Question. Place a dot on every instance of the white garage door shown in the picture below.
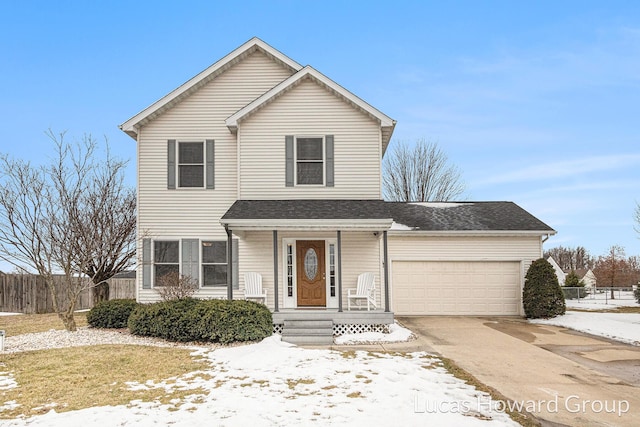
(462, 288)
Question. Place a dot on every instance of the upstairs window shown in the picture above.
(190, 164)
(309, 161)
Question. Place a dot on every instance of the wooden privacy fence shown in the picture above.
(28, 294)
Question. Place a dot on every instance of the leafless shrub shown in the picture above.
(175, 286)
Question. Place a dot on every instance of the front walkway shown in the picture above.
(512, 363)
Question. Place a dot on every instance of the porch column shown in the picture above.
(339, 269)
(229, 263)
(386, 271)
(275, 270)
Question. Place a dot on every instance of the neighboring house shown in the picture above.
(587, 276)
(584, 274)
(560, 274)
(259, 164)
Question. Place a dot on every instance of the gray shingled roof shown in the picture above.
(466, 216)
(430, 216)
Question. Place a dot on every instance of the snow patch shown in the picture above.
(624, 327)
(396, 334)
(400, 227)
(439, 205)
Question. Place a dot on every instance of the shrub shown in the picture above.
(190, 319)
(161, 319)
(573, 281)
(636, 293)
(173, 286)
(542, 296)
(111, 314)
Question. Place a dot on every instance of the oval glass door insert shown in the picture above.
(311, 264)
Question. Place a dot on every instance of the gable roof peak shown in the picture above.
(386, 123)
(130, 127)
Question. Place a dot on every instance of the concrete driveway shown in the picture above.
(568, 378)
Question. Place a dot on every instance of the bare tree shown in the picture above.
(569, 259)
(48, 220)
(420, 173)
(610, 269)
(103, 217)
(636, 217)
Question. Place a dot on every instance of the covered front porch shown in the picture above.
(309, 254)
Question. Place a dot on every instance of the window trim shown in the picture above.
(154, 263)
(296, 161)
(203, 164)
(203, 264)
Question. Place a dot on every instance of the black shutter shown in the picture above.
(289, 160)
(210, 167)
(171, 164)
(328, 141)
(191, 258)
(146, 264)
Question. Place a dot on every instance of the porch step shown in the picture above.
(311, 332)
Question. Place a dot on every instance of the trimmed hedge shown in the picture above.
(111, 314)
(190, 319)
(542, 296)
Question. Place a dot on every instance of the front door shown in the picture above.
(311, 273)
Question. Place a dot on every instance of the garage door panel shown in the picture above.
(452, 287)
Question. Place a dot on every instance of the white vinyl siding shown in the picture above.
(464, 248)
(309, 110)
(174, 214)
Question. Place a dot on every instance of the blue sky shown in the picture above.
(536, 102)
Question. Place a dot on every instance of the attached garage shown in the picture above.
(461, 258)
(456, 288)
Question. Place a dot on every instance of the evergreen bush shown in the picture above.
(111, 314)
(573, 281)
(190, 319)
(542, 296)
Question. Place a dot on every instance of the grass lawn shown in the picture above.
(30, 323)
(81, 377)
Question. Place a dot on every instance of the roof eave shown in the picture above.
(307, 224)
(484, 233)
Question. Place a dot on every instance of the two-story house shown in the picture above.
(260, 164)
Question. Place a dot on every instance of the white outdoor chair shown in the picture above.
(253, 287)
(365, 290)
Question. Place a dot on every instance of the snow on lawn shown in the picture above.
(623, 327)
(396, 334)
(603, 301)
(275, 383)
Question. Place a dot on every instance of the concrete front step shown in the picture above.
(308, 340)
(303, 324)
(308, 331)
